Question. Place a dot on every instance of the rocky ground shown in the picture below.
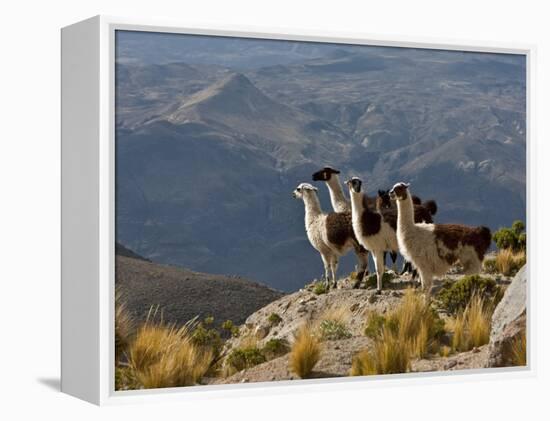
(295, 309)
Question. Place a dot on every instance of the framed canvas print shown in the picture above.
(244, 211)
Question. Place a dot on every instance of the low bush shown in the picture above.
(207, 337)
(455, 296)
(320, 288)
(243, 358)
(275, 347)
(374, 326)
(333, 323)
(490, 265)
(513, 238)
(274, 319)
(372, 282)
(305, 352)
(333, 330)
(230, 328)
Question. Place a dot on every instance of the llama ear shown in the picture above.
(407, 185)
(381, 193)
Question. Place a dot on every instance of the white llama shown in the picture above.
(370, 228)
(434, 248)
(331, 234)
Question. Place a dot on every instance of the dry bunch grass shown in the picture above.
(389, 355)
(164, 356)
(305, 352)
(509, 262)
(471, 327)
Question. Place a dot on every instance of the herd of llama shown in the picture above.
(395, 221)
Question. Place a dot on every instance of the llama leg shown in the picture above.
(406, 267)
(426, 278)
(326, 264)
(334, 270)
(379, 266)
(471, 266)
(363, 263)
(393, 256)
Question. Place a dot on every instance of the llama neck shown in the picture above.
(357, 207)
(337, 197)
(312, 206)
(405, 213)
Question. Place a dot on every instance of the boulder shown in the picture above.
(509, 321)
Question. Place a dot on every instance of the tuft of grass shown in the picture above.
(320, 288)
(519, 351)
(509, 262)
(390, 355)
(165, 356)
(274, 319)
(455, 296)
(305, 351)
(471, 327)
(124, 327)
(416, 323)
(375, 324)
(333, 323)
(445, 351)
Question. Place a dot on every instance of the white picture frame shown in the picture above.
(88, 210)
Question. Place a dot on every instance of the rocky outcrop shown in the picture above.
(509, 321)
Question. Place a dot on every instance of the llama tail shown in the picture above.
(431, 206)
(485, 235)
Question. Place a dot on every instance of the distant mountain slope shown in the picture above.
(207, 156)
(182, 294)
(120, 250)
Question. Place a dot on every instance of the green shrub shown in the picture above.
(274, 319)
(513, 238)
(386, 279)
(333, 330)
(490, 265)
(227, 325)
(375, 324)
(455, 296)
(240, 359)
(230, 328)
(320, 288)
(208, 338)
(275, 347)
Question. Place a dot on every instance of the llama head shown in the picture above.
(325, 174)
(383, 200)
(400, 191)
(303, 190)
(354, 185)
